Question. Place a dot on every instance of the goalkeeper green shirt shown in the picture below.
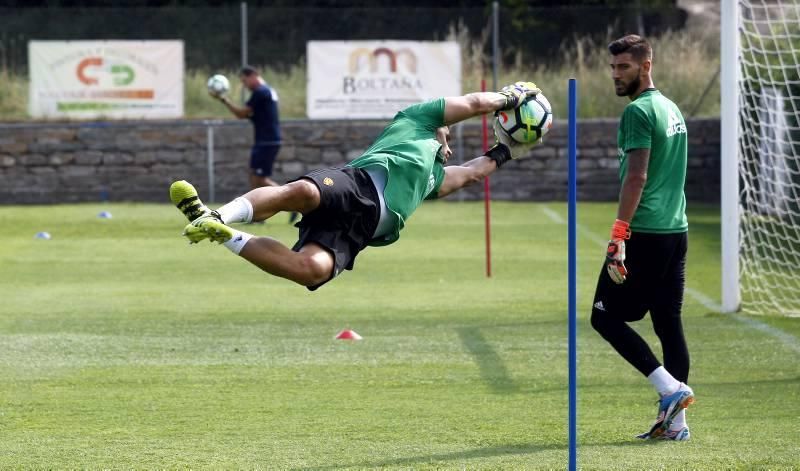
(409, 154)
(652, 121)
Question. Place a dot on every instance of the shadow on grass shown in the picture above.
(476, 453)
(492, 368)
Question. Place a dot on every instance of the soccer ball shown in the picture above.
(528, 123)
(218, 85)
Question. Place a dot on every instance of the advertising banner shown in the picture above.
(106, 79)
(376, 79)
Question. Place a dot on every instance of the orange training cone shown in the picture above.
(348, 334)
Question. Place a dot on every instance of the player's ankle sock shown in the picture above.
(238, 210)
(680, 421)
(664, 382)
(236, 243)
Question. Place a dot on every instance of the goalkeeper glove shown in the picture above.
(504, 146)
(615, 256)
(516, 94)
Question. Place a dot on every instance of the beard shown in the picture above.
(631, 88)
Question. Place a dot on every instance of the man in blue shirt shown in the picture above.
(262, 110)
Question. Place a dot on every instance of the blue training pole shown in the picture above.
(573, 268)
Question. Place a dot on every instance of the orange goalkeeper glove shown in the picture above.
(615, 256)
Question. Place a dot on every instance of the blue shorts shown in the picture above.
(262, 157)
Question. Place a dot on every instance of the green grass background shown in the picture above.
(121, 346)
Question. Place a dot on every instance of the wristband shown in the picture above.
(620, 230)
(500, 153)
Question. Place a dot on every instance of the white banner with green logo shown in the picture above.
(106, 79)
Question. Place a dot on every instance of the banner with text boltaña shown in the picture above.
(376, 79)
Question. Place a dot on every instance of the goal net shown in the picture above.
(769, 155)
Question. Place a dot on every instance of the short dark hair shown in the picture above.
(636, 45)
(248, 71)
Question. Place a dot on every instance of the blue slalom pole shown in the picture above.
(573, 268)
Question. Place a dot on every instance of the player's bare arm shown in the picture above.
(629, 197)
(457, 109)
(633, 185)
(241, 112)
(457, 177)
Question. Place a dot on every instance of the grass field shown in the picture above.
(123, 347)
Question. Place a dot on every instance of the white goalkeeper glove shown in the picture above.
(504, 148)
(516, 94)
(501, 136)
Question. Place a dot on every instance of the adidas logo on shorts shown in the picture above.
(599, 306)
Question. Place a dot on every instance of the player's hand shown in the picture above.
(502, 137)
(516, 149)
(504, 148)
(216, 96)
(615, 254)
(517, 93)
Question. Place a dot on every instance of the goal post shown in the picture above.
(729, 153)
(760, 156)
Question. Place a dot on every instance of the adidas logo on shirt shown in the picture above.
(431, 184)
(675, 125)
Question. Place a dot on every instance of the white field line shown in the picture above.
(790, 341)
(558, 219)
(554, 216)
(709, 303)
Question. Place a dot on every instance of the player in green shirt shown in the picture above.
(365, 203)
(646, 273)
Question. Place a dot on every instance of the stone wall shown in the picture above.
(69, 162)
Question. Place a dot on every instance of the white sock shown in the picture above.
(238, 210)
(680, 421)
(238, 241)
(663, 381)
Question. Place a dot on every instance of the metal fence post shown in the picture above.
(212, 196)
(495, 43)
(244, 41)
(459, 129)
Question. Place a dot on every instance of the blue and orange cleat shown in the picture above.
(669, 407)
(680, 435)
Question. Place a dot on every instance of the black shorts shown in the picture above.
(262, 158)
(346, 218)
(656, 275)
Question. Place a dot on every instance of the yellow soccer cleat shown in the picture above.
(208, 227)
(184, 197)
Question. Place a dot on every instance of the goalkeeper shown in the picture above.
(365, 203)
(652, 219)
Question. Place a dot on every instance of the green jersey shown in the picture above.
(652, 121)
(409, 154)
